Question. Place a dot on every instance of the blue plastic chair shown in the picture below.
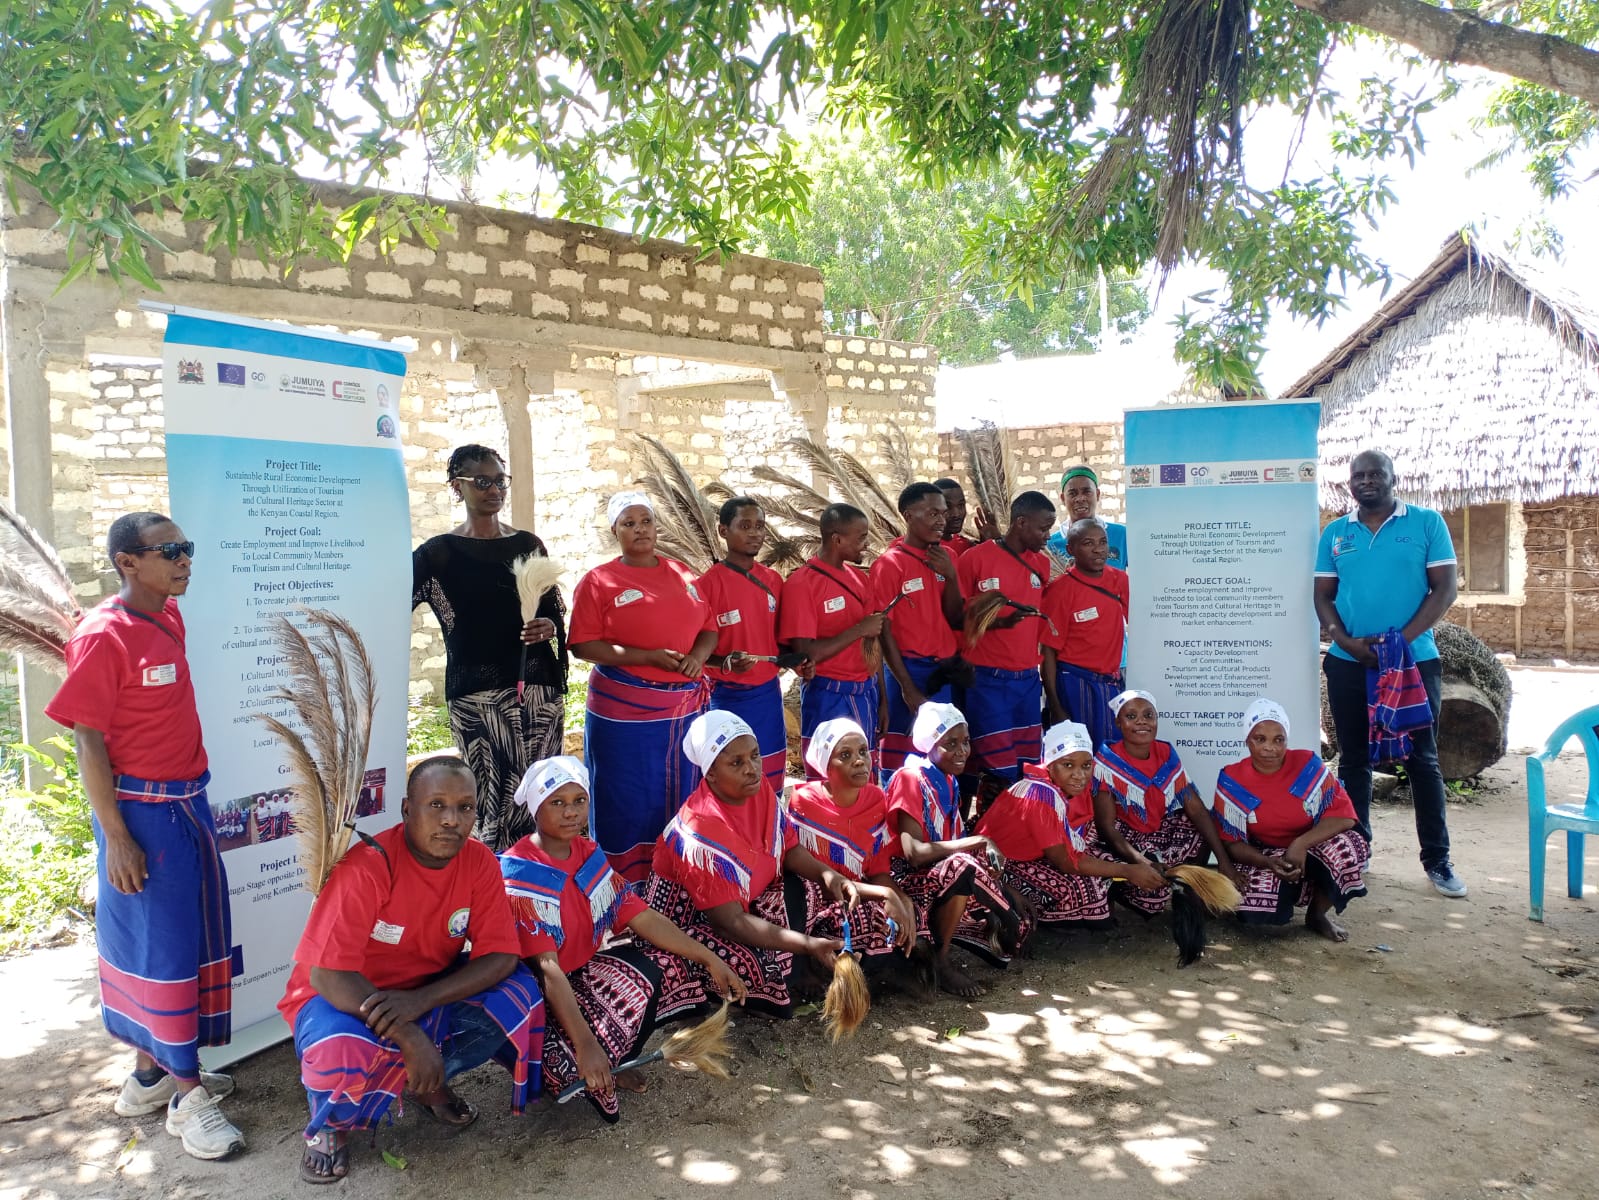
(1544, 818)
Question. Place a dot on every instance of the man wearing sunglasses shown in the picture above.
(161, 919)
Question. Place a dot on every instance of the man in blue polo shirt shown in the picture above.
(1387, 565)
(1079, 493)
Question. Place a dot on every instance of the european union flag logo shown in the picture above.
(230, 374)
(1174, 473)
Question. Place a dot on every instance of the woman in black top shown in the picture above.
(465, 577)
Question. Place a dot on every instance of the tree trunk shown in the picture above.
(1471, 735)
(1452, 36)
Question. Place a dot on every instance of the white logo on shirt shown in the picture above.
(771, 604)
(1086, 614)
(628, 597)
(913, 585)
(729, 618)
(161, 676)
(988, 585)
(836, 604)
(388, 934)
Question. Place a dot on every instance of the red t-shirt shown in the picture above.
(654, 608)
(1089, 626)
(578, 942)
(746, 617)
(861, 844)
(128, 677)
(400, 923)
(724, 853)
(992, 567)
(820, 601)
(1032, 815)
(1281, 816)
(959, 544)
(920, 629)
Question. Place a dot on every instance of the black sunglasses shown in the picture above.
(484, 482)
(171, 551)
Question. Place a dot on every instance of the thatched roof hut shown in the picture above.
(1480, 379)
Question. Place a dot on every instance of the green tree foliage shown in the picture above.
(894, 253)
(1123, 120)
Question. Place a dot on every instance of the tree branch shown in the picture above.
(1460, 38)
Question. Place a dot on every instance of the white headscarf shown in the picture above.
(1264, 710)
(825, 740)
(623, 501)
(710, 735)
(1122, 698)
(933, 721)
(546, 777)
(1066, 738)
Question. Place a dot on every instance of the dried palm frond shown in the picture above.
(685, 518)
(786, 553)
(982, 611)
(854, 483)
(38, 610)
(1059, 563)
(988, 465)
(535, 575)
(331, 694)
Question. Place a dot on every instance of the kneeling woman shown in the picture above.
(566, 898)
(1145, 810)
(1290, 827)
(1043, 825)
(385, 994)
(842, 819)
(939, 866)
(717, 867)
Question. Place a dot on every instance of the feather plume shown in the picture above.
(38, 610)
(331, 696)
(684, 516)
(535, 575)
(988, 463)
(982, 611)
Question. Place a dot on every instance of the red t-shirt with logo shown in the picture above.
(1089, 626)
(128, 677)
(654, 608)
(400, 923)
(920, 629)
(746, 617)
(820, 602)
(1019, 577)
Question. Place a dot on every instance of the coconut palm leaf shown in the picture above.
(331, 696)
(988, 463)
(38, 610)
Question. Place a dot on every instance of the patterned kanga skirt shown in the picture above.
(988, 910)
(1174, 843)
(1336, 868)
(768, 974)
(1061, 898)
(810, 908)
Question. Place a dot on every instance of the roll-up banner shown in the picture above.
(284, 463)
(1222, 521)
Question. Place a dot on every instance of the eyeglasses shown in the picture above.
(484, 482)
(171, 551)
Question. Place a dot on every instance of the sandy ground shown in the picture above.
(1449, 1050)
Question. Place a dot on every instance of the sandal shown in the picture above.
(445, 1107)
(326, 1158)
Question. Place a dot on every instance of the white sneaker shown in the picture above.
(206, 1133)
(136, 1100)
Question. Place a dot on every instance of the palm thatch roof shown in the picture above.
(1480, 379)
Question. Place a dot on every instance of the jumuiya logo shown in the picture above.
(230, 374)
(386, 426)
(302, 385)
(191, 370)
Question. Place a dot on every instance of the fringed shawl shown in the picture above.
(536, 890)
(940, 808)
(700, 838)
(834, 848)
(1314, 786)
(1134, 789)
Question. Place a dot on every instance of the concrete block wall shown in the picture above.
(1039, 455)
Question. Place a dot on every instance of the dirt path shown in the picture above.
(1459, 1060)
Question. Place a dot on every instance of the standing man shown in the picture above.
(1003, 702)
(825, 615)
(161, 919)
(1388, 565)
(1087, 613)
(917, 576)
(1079, 493)
(956, 541)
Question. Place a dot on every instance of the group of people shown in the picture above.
(550, 913)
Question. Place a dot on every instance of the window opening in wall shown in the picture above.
(1482, 547)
